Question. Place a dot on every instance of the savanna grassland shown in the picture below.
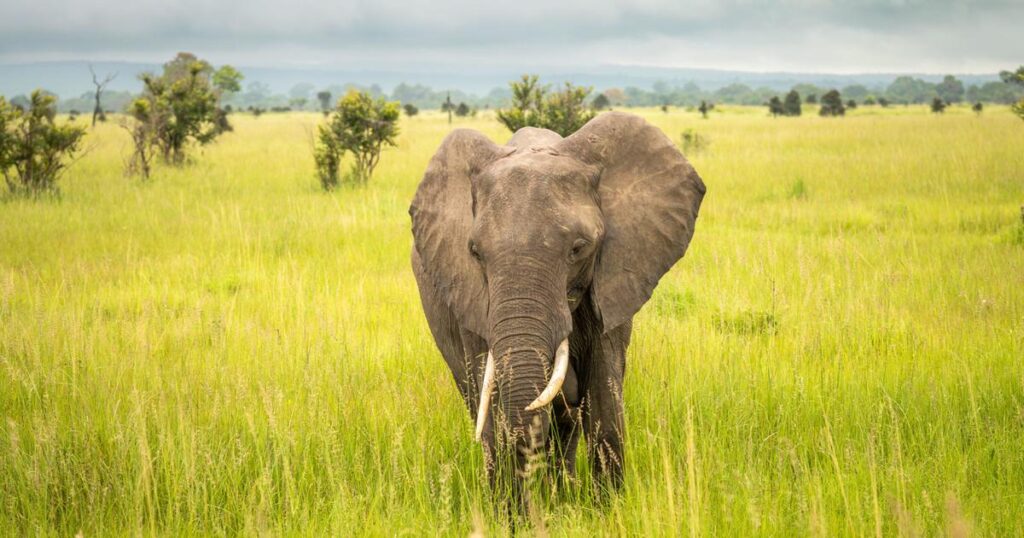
(226, 349)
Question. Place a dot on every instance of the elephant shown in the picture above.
(531, 261)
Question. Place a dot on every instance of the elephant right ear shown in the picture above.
(442, 218)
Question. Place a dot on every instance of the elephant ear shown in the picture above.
(442, 218)
(649, 196)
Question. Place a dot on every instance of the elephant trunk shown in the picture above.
(528, 320)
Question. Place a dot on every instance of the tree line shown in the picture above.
(258, 96)
(185, 106)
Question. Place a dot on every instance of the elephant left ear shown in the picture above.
(649, 195)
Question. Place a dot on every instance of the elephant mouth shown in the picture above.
(558, 372)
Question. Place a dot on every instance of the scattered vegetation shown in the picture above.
(34, 147)
(179, 108)
(1015, 78)
(832, 104)
(564, 111)
(705, 107)
(359, 125)
(693, 142)
(101, 84)
(325, 101)
(791, 106)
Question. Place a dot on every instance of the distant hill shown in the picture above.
(72, 79)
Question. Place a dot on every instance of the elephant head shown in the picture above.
(514, 238)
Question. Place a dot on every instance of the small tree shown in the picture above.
(664, 108)
(228, 80)
(325, 101)
(704, 108)
(527, 104)
(448, 106)
(182, 105)
(410, 109)
(951, 89)
(361, 126)
(938, 105)
(142, 130)
(600, 102)
(565, 112)
(97, 111)
(775, 107)
(977, 108)
(791, 106)
(883, 102)
(462, 110)
(832, 104)
(33, 148)
(851, 104)
(1015, 77)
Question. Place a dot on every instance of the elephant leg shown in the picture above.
(565, 436)
(603, 413)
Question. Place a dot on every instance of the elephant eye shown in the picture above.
(474, 252)
(577, 247)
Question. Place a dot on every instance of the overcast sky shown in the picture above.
(798, 35)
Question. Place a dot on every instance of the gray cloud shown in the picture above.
(806, 35)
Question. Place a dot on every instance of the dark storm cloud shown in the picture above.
(792, 35)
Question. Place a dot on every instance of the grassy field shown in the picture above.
(228, 350)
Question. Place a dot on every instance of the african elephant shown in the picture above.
(531, 260)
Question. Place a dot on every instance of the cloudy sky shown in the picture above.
(918, 36)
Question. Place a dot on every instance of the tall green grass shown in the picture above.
(227, 350)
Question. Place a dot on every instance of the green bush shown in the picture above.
(34, 149)
(360, 125)
(564, 112)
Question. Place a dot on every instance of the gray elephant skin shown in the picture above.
(546, 240)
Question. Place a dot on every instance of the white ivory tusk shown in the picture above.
(485, 395)
(557, 377)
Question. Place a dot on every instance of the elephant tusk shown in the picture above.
(557, 377)
(485, 395)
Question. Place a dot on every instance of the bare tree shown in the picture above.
(97, 112)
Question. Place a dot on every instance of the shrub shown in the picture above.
(938, 105)
(462, 110)
(832, 104)
(1015, 77)
(181, 106)
(410, 109)
(693, 142)
(142, 131)
(600, 102)
(705, 107)
(325, 101)
(775, 106)
(33, 148)
(360, 125)
(791, 106)
(564, 111)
